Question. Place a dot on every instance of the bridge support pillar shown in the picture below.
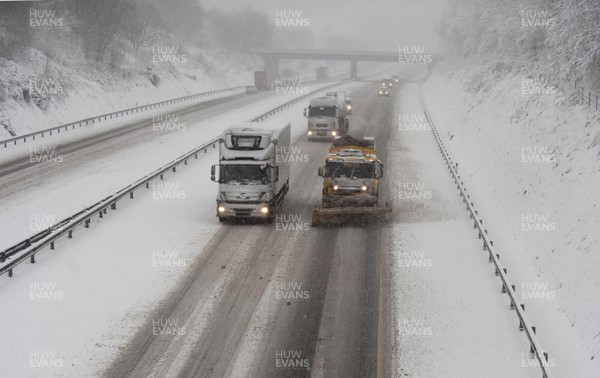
(353, 69)
(272, 67)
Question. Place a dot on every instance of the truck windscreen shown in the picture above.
(350, 170)
(244, 174)
(314, 111)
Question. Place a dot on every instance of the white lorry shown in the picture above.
(327, 116)
(253, 171)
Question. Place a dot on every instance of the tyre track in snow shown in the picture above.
(337, 330)
(111, 161)
(218, 303)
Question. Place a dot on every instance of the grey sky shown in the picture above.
(380, 25)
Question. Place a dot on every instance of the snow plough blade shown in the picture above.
(342, 216)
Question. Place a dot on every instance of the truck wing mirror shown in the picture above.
(212, 173)
(274, 174)
(305, 112)
(322, 171)
(380, 170)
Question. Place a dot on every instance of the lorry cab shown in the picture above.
(327, 118)
(351, 174)
(253, 171)
(384, 91)
(351, 182)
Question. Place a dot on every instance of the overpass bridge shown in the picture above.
(272, 57)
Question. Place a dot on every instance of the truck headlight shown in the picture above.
(364, 188)
(334, 133)
(221, 209)
(335, 187)
(264, 209)
(309, 132)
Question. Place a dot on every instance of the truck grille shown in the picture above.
(242, 212)
(321, 125)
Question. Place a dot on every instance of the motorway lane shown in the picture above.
(35, 197)
(343, 276)
(101, 165)
(130, 131)
(335, 330)
(87, 171)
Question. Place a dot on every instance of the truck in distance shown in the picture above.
(288, 73)
(261, 81)
(253, 171)
(327, 117)
(386, 82)
(351, 183)
(322, 73)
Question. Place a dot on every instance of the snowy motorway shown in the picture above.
(171, 292)
(121, 155)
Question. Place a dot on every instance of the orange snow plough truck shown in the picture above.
(351, 184)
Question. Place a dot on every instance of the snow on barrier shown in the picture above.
(535, 350)
(27, 249)
(116, 114)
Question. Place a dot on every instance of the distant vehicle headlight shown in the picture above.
(309, 132)
(334, 133)
(335, 187)
(264, 209)
(221, 209)
(364, 188)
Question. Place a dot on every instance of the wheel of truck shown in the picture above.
(270, 219)
(222, 220)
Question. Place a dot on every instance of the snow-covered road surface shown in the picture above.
(162, 289)
(84, 171)
(446, 299)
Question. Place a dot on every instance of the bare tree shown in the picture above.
(15, 32)
(99, 24)
(144, 26)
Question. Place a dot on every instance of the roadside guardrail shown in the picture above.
(535, 349)
(116, 114)
(28, 248)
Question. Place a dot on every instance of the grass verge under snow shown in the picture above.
(531, 164)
